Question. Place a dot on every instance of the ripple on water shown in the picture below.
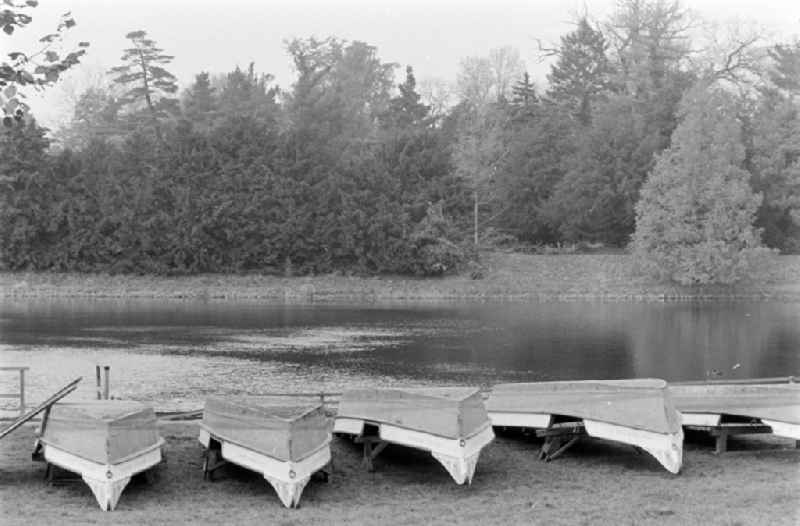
(180, 376)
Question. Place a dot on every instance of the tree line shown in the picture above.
(637, 140)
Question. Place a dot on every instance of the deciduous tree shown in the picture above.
(37, 69)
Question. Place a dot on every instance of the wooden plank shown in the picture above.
(306, 394)
(742, 429)
(212, 461)
(565, 429)
(179, 415)
(558, 452)
(732, 429)
(742, 381)
(372, 447)
(37, 445)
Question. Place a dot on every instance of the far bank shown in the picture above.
(506, 276)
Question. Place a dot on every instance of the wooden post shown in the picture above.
(722, 443)
(475, 217)
(21, 392)
(107, 375)
(97, 373)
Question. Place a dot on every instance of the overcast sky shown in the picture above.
(432, 36)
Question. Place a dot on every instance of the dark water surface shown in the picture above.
(182, 351)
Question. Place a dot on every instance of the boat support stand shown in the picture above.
(373, 445)
(558, 438)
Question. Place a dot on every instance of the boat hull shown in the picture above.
(711, 404)
(286, 444)
(106, 442)
(450, 423)
(459, 456)
(107, 481)
(635, 412)
(287, 477)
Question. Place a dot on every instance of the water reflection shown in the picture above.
(247, 346)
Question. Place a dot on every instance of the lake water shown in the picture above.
(175, 353)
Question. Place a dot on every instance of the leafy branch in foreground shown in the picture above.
(39, 69)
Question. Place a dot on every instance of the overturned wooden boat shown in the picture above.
(106, 442)
(636, 412)
(449, 422)
(726, 408)
(286, 443)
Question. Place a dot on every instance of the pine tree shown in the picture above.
(785, 75)
(694, 220)
(582, 71)
(199, 100)
(147, 81)
(406, 109)
(524, 91)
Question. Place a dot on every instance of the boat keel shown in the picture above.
(666, 448)
(107, 492)
(783, 429)
(288, 492)
(462, 469)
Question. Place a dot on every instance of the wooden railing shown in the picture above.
(21, 394)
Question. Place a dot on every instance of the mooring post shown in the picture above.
(22, 391)
(106, 374)
(97, 374)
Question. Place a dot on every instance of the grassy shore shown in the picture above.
(505, 276)
(594, 483)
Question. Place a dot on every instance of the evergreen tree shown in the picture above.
(29, 218)
(612, 156)
(773, 159)
(248, 93)
(146, 80)
(582, 72)
(524, 92)
(785, 73)
(540, 139)
(199, 101)
(694, 221)
(405, 109)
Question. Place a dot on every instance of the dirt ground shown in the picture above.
(595, 482)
